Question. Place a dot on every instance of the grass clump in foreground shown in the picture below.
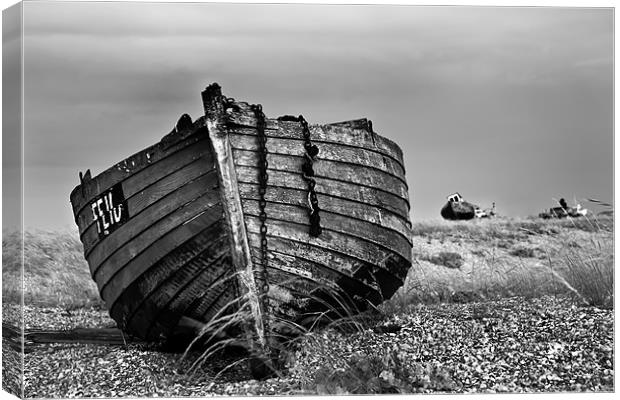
(391, 372)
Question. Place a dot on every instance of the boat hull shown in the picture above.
(172, 233)
(458, 210)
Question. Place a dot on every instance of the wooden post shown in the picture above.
(231, 202)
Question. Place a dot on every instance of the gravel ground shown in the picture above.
(512, 345)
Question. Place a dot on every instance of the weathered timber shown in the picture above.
(153, 157)
(316, 275)
(333, 222)
(114, 261)
(115, 278)
(350, 268)
(180, 287)
(131, 300)
(323, 133)
(105, 336)
(352, 174)
(335, 205)
(364, 251)
(159, 199)
(215, 116)
(173, 233)
(241, 139)
(363, 194)
(167, 304)
(155, 219)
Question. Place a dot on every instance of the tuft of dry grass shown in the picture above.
(527, 257)
(55, 272)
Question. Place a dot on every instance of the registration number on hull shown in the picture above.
(109, 210)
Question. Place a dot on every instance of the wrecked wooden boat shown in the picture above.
(237, 203)
(458, 209)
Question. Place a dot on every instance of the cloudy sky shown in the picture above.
(511, 105)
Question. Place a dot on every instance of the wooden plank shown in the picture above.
(219, 273)
(142, 219)
(113, 253)
(296, 273)
(131, 299)
(212, 303)
(291, 300)
(107, 336)
(323, 133)
(335, 205)
(324, 169)
(388, 239)
(351, 253)
(343, 190)
(133, 259)
(355, 275)
(245, 139)
(138, 200)
(204, 269)
(83, 194)
(148, 176)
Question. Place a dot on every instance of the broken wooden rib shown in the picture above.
(173, 233)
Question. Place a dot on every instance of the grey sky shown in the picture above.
(512, 105)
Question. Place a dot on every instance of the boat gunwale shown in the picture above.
(138, 170)
(232, 125)
(245, 128)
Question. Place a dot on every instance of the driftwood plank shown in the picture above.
(324, 186)
(108, 336)
(131, 261)
(356, 229)
(245, 139)
(354, 175)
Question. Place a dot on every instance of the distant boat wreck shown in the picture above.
(458, 209)
(564, 211)
(236, 204)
